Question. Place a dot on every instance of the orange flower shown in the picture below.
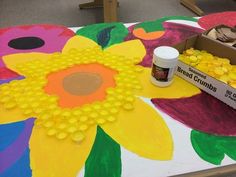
(82, 84)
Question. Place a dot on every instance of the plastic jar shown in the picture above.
(164, 65)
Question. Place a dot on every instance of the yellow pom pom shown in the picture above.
(233, 84)
(232, 76)
(114, 111)
(104, 112)
(61, 135)
(193, 59)
(77, 112)
(190, 52)
(10, 105)
(51, 132)
(83, 127)
(224, 60)
(83, 118)
(128, 106)
(111, 118)
(78, 137)
(224, 78)
(72, 120)
(219, 71)
(71, 129)
(61, 126)
(48, 124)
(93, 115)
(100, 121)
(202, 67)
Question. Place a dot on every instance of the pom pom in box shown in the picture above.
(204, 81)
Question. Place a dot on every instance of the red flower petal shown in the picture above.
(212, 20)
(201, 112)
(6, 73)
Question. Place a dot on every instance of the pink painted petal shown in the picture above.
(201, 112)
(1, 63)
(54, 38)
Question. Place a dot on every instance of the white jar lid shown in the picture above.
(166, 53)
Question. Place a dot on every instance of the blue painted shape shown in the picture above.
(103, 36)
(3, 81)
(21, 168)
(9, 133)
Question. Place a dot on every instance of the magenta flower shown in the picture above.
(31, 38)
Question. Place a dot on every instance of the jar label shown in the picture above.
(162, 74)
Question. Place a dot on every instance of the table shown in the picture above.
(110, 8)
(122, 125)
(191, 4)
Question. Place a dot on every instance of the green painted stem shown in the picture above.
(105, 157)
(212, 148)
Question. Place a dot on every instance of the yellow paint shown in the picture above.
(142, 131)
(50, 157)
(179, 88)
(10, 116)
(133, 49)
(13, 60)
(79, 43)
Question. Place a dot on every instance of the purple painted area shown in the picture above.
(201, 112)
(9, 80)
(174, 33)
(16, 149)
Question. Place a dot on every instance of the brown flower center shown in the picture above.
(82, 83)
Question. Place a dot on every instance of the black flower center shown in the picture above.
(25, 43)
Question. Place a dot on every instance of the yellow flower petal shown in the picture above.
(179, 88)
(12, 115)
(142, 131)
(133, 49)
(50, 157)
(79, 42)
(12, 60)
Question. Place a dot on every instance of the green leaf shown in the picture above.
(212, 148)
(115, 31)
(104, 36)
(105, 157)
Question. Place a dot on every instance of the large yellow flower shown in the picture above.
(72, 92)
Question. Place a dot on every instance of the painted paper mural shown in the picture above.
(80, 103)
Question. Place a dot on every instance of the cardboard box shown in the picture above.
(212, 33)
(216, 88)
